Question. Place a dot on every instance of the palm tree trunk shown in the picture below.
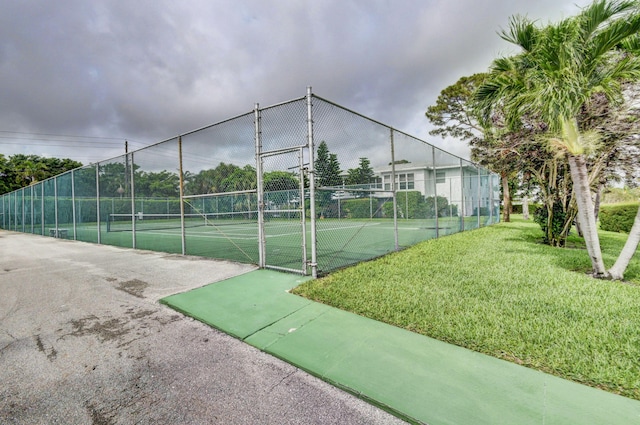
(506, 199)
(630, 247)
(586, 216)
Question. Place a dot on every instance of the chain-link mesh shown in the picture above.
(220, 189)
(114, 200)
(355, 213)
(156, 185)
(283, 153)
(242, 190)
(37, 201)
(85, 196)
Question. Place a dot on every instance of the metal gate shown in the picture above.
(282, 218)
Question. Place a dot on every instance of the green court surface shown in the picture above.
(340, 242)
(417, 378)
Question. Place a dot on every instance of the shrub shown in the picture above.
(408, 205)
(413, 205)
(517, 208)
(618, 217)
(444, 209)
(556, 231)
(358, 208)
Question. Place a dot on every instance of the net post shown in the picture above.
(183, 238)
(133, 202)
(312, 185)
(260, 187)
(435, 189)
(393, 191)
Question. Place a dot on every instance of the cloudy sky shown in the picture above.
(78, 77)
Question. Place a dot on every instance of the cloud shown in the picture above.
(151, 69)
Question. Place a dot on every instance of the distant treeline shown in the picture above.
(17, 171)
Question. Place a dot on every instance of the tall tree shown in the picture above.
(327, 167)
(560, 68)
(5, 178)
(361, 175)
(33, 171)
(453, 115)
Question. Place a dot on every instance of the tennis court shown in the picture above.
(341, 242)
(305, 186)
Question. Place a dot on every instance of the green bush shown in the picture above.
(618, 217)
(358, 208)
(517, 209)
(444, 209)
(556, 231)
(409, 205)
(414, 205)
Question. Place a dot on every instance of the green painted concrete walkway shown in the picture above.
(417, 378)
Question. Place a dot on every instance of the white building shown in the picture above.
(462, 184)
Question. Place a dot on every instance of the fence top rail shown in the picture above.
(209, 195)
(387, 126)
(283, 150)
(348, 189)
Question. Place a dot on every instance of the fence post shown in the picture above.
(393, 191)
(490, 189)
(312, 186)
(183, 238)
(55, 202)
(462, 211)
(435, 189)
(23, 212)
(262, 258)
(42, 209)
(303, 213)
(98, 201)
(133, 202)
(73, 204)
(479, 197)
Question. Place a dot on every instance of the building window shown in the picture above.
(387, 182)
(410, 183)
(441, 176)
(405, 181)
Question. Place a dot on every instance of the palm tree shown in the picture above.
(32, 171)
(559, 69)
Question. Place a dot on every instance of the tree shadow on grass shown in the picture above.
(574, 256)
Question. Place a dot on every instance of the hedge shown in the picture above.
(618, 217)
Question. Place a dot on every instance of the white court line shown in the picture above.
(214, 233)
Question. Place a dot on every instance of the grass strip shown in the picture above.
(499, 291)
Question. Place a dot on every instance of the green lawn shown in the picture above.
(499, 291)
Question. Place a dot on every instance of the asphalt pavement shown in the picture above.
(84, 340)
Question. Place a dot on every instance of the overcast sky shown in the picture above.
(147, 70)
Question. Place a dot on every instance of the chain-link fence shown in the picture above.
(305, 186)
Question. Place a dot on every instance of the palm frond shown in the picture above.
(631, 44)
(598, 13)
(615, 34)
(522, 32)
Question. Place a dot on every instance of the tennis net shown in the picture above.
(124, 222)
